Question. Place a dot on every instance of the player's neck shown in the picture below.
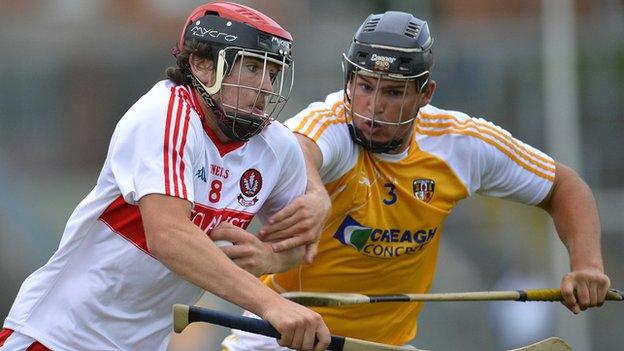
(400, 149)
(211, 122)
(404, 145)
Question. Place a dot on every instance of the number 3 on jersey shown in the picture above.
(391, 193)
(215, 191)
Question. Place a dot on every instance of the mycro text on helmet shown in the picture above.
(198, 31)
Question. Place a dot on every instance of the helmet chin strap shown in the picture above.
(217, 110)
(223, 121)
(358, 137)
(376, 147)
(240, 128)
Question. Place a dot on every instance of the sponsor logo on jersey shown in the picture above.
(250, 185)
(201, 174)
(424, 189)
(206, 218)
(383, 242)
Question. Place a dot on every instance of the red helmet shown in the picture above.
(232, 32)
(235, 12)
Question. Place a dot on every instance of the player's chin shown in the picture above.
(245, 111)
(374, 133)
(379, 138)
(382, 142)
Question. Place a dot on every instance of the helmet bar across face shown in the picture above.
(240, 122)
(372, 115)
(275, 99)
(350, 66)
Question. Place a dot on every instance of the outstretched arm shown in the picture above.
(301, 221)
(186, 250)
(573, 209)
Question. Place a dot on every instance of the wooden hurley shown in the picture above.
(343, 299)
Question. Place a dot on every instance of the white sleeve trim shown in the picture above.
(486, 157)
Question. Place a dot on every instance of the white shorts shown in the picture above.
(240, 340)
(13, 341)
(244, 341)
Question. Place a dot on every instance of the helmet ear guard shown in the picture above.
(220, 69)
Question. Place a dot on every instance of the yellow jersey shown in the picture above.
(384, 231)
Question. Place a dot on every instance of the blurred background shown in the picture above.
(551, 72)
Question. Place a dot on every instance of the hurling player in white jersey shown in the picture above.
(395, 167)
(198, 156)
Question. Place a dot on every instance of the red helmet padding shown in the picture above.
(239, 13)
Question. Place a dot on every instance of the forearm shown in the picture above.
(573, 209)
(575, 215)
(187, 251)
(315, 185)
(314, 161)
(192, 255)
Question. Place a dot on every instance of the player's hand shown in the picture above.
(299, 223)
(582, 289)
(248, 252)
(299, 326)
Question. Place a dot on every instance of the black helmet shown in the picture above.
(396, 43)
(393, 45)
(235, 31)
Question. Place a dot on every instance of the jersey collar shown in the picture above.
(224, 148)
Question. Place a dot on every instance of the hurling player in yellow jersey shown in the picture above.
(395, 166)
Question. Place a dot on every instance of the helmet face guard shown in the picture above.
(250, 122)
(237, 117)
(235, 43)
(354, 74)
(394, 46)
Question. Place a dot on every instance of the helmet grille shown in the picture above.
(412, 29)
(371, 25)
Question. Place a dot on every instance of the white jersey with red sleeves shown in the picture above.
(388, 210)
(102, 290)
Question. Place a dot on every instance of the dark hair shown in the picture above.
(178, 74)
